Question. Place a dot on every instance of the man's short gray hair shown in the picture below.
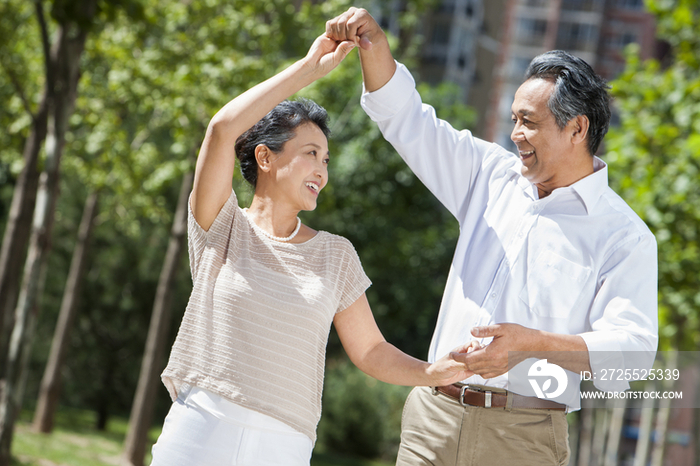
(578, 90)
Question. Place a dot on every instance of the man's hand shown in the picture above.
(567, 351)
(448, 369)
(355, 25)
(358, 27)
(492, 360)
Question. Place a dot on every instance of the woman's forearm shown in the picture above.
(248, 108)
(387, 363)
(369, 351)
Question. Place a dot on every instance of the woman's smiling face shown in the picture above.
(301, 169)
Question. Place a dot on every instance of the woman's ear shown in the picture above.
(262, 156)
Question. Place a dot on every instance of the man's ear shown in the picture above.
(262, 156)
(579, 129)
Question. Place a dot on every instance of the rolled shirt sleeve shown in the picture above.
(623, 318)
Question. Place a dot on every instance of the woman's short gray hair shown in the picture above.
(275, 129)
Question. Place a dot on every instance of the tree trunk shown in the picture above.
(646, 419)
(600, 431)
(142, 408)
(574, 434)
(51, 382)
(617, 424)
(69, 46)
(14, 243)
(663, 415)
(103, 401)
(585, 434)
(17, 231)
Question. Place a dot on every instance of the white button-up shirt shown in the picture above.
(577, 262)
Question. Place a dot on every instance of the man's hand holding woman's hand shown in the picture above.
(449, 369)
(355, 25)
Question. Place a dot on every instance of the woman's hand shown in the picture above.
(447, 370)
(325, 54)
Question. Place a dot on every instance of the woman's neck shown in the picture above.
(278, 220)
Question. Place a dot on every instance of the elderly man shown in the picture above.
(549, 258)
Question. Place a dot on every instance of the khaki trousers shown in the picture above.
(437, 430)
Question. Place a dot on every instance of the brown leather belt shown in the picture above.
(472, 396)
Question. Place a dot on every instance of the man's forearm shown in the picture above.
(567, 351)
(513, 343)
(378, 65)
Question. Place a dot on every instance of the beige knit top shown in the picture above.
(256, 326)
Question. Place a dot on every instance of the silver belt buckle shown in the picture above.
(462, 389)
(487, 395)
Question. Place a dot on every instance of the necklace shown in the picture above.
(276, 238)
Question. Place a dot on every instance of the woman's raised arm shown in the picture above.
(216, 161)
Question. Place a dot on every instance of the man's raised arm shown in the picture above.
(359, 26)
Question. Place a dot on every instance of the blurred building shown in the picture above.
(486, 46)
(450, 31)
(594, 30)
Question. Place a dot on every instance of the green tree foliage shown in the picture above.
(655, 162)
(148, 90)
(21, 77)
(361, 416)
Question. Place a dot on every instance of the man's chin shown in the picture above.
(528, 175)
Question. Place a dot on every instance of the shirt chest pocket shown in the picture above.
(554, 285)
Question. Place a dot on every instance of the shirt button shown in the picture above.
(493, 295)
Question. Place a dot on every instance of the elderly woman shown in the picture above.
(246, 369)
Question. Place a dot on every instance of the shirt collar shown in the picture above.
(592, 187)
(589, 189)
(527, 187)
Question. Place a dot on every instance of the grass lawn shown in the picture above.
(75, 442)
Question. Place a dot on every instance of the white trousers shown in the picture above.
(204, 429)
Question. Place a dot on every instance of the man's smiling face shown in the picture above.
(544, 148)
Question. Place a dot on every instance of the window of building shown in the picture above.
(519, 67)
(536, 3)
(469, 9)
(620, 40)
(576, 36)
(531, 31)
(581, 5)
(627, 38)
(441, 32)
(630, 4)
(446, 7)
